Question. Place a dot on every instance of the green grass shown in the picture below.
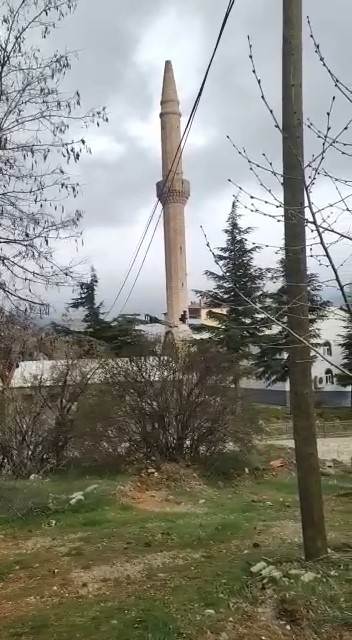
(272, 414)
(328, 414)
(145, 620)
(165, 569)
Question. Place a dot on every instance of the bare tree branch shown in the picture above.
(36, 147)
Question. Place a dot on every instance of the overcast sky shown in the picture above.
(123, 45)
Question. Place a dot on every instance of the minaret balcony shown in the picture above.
(174, 191)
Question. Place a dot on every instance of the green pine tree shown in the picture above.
(346, 347)
(272, 356)
(238, 284)
(86, 301)
(120, 335)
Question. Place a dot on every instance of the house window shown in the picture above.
(329, 376)
(194, 313)
(327, 350)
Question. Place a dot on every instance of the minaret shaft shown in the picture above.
(173, 192)
(175, 262)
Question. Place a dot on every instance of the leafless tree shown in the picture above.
(36, 147)
(22, 339)
(327, 223)
(301, 390)
(289, 195)
(177, 405)
(17, 342)
(68, 382)
(25, 436)
(40, 413)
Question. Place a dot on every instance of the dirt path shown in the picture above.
(329, 448)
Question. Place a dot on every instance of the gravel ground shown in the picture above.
(329, 448)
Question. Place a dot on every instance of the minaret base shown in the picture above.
(177, 334)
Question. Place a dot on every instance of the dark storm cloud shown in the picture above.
(119, 188)
(107, 34)
(119, 178)
(114, 192)
(232, 103)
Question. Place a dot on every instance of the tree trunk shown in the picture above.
(61, 438)
(238, 394)
(3, 411)
(302, 402)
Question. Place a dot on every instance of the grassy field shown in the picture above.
(330, 421)
(156, 559)
(271, 414)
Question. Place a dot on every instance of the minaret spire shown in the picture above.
(169, 98)
(173, 192)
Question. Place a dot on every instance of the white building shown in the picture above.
(50, 373)
(324, 370)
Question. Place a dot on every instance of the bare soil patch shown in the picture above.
(251, 630)
(21, 594)
(171, 476)
(152, 490)
(10, 546)
(278, 618)
(157, 500)
(94, 580)
(284, 530)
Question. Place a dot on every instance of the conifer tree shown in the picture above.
(86, 301)
(272, 356)
(238, 284)
(120, 335)
(346, 347)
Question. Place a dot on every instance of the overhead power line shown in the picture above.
(275, 319)
(172, 172)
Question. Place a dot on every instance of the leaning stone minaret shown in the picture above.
(173, 192)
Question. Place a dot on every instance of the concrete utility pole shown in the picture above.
(173, 192)
(302, 399)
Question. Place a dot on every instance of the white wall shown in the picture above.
(251, 383)
(331, 330)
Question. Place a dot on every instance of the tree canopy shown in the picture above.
(346, 347)
(272, 355)
(238, 285)
(121, 335)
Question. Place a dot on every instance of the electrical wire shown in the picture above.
(176, 160)
(157, 223)
(275, 320)
(133, 260)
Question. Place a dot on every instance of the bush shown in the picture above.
(23, 500)
(25, 437)
(178, 407)
(225, 466)
(174, 407)
(38, 423)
